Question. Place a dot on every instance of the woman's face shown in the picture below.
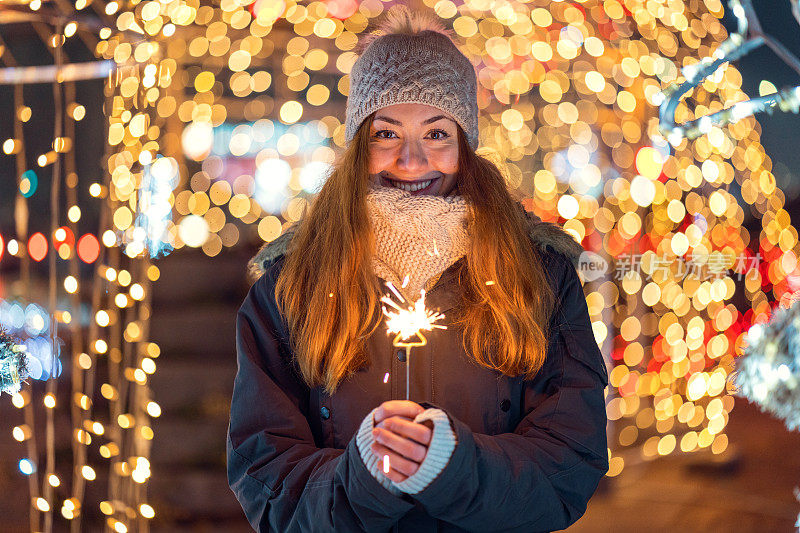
(414, 147)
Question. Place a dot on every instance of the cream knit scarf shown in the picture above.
(415, 236)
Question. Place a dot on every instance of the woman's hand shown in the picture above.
(399, 437)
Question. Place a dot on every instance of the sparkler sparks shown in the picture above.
(435, 252)
(411, 321)
(386, 464)
(406, 323)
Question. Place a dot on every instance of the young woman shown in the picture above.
(506, 429)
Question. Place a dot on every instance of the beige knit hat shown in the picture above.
(412, 60)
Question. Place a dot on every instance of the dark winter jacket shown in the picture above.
(530, 453)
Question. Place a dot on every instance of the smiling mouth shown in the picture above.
(411, 186)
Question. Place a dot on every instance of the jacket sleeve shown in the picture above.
(282, 480)
(541, 476)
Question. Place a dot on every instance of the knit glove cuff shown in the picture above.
(364, 440)
(441, 447)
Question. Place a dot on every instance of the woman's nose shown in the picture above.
(412, 157)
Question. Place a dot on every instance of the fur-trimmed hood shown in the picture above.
(544, 234)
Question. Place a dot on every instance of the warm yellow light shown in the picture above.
(146, 511)
(108, 391)
(121, 300)
(153, 273)
(21, 433)
(139, 476)
(125, 421)
(204, 81)
(49, 400)
(9, 146)
(766, 87)
(88, 473)
(153, 409)
(74, 213)
(78, 112)
(109, 450)
(70, 28)
(70, 284)
(42, 504)
(18, 400)
(595, 81)
(512, 119)
(106, 508)
(291, 111)
(643, 190)
(148, 365)
(568, 206)
(137, 292)
(102, 318)
(83, 401)
(83, 437)
(649, 162)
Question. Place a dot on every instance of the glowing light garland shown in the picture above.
(124, 302)
(735, 47)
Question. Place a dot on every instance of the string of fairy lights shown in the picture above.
(226, 115)
(118, 297)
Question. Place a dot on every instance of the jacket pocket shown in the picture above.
(581, 345)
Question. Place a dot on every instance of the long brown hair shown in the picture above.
(330, 295)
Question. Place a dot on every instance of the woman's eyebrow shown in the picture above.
(427, 121)
(389, 120)
(437, 117)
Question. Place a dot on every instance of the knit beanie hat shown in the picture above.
(412, 60)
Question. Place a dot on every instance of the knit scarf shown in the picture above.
(415, 236)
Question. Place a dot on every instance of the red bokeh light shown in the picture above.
(2, 246)
(341, 9)
(37, 246)
(88, 248)
(63, 235)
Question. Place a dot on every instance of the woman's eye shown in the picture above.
(438, 135)
(384, 134)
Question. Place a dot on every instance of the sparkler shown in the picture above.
(407, 323)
